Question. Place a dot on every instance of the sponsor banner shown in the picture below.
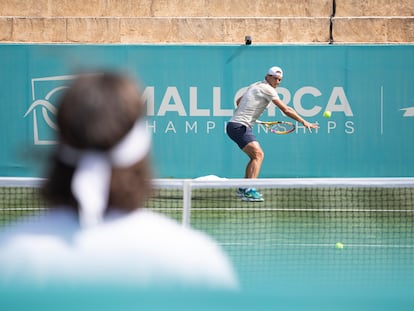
(190, 93)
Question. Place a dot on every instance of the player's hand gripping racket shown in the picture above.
(278, 127)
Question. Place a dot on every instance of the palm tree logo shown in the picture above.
(43, 110)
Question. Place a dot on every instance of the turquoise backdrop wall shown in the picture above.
(190, 93)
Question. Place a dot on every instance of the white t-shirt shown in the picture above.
(254, 102)
(142, 248)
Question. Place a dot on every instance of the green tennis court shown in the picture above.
(286, 245)
(290, 239)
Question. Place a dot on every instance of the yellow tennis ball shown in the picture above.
(339, 245)
(327, 114)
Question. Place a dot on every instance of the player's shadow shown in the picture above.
(237, 52)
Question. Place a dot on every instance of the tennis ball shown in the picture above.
(327, 114)
(339, 245)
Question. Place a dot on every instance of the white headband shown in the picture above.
(92, 176)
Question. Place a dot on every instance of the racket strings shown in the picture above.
(282, 128)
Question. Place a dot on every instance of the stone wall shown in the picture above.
(374, 21)
(206, 21)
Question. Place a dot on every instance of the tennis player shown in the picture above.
(97, 231)
(250, 107)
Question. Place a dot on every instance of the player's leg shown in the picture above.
(256, 155)
(247, 142)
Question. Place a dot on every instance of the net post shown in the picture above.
(186, 203)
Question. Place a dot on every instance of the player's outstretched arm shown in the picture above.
(291, 113)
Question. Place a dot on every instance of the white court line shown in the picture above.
(268, 209)
(14, 209)
(241, 209)
(331, 245)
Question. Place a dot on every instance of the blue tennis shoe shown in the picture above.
(249, 195)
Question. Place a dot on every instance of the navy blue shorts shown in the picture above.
(240, 134)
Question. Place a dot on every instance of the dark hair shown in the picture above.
(96, 112)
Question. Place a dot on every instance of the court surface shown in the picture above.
(284, 249)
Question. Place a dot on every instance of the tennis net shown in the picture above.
(330, 232)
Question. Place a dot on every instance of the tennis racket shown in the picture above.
(278, 127)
